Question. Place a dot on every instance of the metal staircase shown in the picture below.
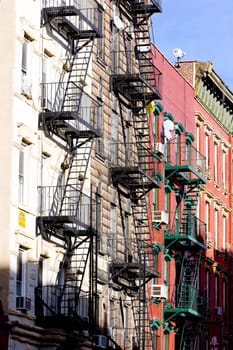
(186, 239)
(188, 341)
(138, 172)
(66, 212)
(75, 262)
(187, 286)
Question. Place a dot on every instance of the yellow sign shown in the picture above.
(22, 219)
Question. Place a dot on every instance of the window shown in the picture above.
(115, 49)
(224, 170)
(216, 291)
(41, 271)
(224, 295)
(207, 285)
(99, 119)
(113, 229)
(98, 208)
(113, 317)
(129, 144)
(207, 152)
(21, 273)
(21, 193)
(114, 135)
(207, 212)
(216, 228)
(215, 162)
(26, 66)
(128, 51)
(100, 41)
(206, 343)
(44, 81)
(44, 67)
(23, 168)
(198, 138)
(224, 232)
(24, 62)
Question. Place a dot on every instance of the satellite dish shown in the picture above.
(178, 53)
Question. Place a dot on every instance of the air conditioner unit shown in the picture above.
(159, 291)
(143, 47)
(159, 148)
(101, 341)
(118, 23)
(23, 303)
(160, 217)
(218, 311)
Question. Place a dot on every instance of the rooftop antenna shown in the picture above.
(178, 53)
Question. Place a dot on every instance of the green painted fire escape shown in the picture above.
(185, 238)
(138, 172)
(66, 212)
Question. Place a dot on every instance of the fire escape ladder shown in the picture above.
(147, 69)
(142, 229)
(188, 340)
(187, 226)
(75, 262)
(77, 66)
(74, 267)
(140, 307)
(187, 288)
(190, 226)
(77, 169)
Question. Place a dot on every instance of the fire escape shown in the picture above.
(185, 239)
(66, 217)
(138, 171)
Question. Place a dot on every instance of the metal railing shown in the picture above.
(189, 225)
(125, 63)
(74, 204)
(181, 154)
(183, 296)
(61, 300)
(133, 155)
(81, 19)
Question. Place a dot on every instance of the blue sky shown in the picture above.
(201, 28)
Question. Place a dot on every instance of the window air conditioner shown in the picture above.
(101, 341)
(118, 23)
(218, 311)
(159, 148)
(23, 303)
(159, 291)
(142, 47)
(160, 217)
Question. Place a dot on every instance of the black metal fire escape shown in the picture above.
(135, 87)
(185, 238)
(66, 212)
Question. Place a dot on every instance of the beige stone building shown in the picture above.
(75, 254)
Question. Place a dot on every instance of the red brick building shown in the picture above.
(191, 301)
